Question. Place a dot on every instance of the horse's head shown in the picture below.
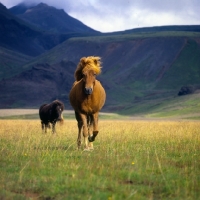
(57, 109)
(89, 78)
(87, 70)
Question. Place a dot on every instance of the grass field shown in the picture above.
(131, 160)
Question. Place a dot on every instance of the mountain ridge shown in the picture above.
(50, 19)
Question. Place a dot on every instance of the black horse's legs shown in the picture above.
(54, 127)
(43, 126)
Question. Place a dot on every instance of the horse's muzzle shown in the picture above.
(59, 119)
(88, 91)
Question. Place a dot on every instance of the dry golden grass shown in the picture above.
(131, 160)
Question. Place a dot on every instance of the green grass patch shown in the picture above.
(160, 106)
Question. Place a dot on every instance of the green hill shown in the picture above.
(141, 72)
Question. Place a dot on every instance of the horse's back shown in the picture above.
(43, 112)
(41, 109)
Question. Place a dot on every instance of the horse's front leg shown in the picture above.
(90, 130)
(95, 127)
(80, 126)
(85, 130)
(45, 128)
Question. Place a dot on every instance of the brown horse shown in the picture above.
(87, 97)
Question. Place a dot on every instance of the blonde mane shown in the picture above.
(88, 63)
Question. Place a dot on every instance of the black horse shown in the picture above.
(51, 113)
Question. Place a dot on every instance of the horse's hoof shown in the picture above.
(90, 147)
(86, 149)
(91, 139)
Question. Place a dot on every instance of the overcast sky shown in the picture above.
(117, 15)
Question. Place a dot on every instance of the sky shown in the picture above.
(119, 15)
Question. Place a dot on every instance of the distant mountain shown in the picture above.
(21, 8)
(39, 29)
(17, 35)
(4, 11)
(50, 19)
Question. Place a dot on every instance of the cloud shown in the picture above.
(116, 15)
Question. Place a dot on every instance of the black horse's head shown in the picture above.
(57, 109)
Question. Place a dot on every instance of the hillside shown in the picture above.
(137, 59)
(11, 62)
(140, 71)
(42, 83)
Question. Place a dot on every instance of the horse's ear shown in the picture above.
(54, 105)
(83, 61)
(97, 60)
